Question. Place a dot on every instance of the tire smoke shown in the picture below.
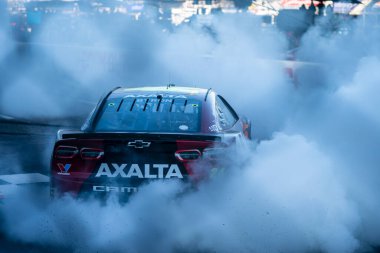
(310, 182)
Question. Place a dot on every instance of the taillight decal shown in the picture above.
(91, 153)
(213, 153)
(66, 152)
(187, 155)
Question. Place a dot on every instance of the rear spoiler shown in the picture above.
(72, 134)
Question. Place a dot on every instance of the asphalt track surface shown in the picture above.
(25, 156)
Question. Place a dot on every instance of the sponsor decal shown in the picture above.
(183, 127)
(64, 169)
(213, 128)
(148, 171)
(139, 144)
(102, 188)
(154, 96)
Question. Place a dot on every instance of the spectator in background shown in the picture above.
(321, 8)
(329, 10)
(312, 8)
(311, 13)
(303, 8)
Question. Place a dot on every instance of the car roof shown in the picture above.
(170, 90)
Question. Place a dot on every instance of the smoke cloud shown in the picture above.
(309, 182)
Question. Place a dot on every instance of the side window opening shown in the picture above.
(227, 117)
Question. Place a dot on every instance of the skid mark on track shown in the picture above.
(8, 183)
(28, 178)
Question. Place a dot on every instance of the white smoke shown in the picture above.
(312, 185)
(286, 199)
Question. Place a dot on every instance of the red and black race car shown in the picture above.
(135, 135)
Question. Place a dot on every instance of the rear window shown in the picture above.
(150, 115)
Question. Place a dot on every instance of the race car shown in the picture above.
(136, 135)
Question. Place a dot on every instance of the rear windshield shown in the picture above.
(150, 115)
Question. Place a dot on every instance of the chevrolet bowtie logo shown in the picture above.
(139, 144)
